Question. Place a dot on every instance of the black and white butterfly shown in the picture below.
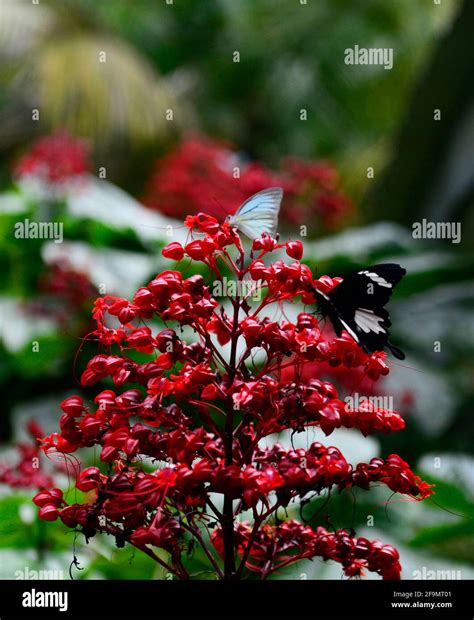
(357, 305)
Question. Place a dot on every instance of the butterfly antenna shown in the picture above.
(161, 227)
(423, 372)
(220, 207)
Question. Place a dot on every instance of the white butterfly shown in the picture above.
(258, 214)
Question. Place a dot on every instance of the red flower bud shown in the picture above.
(174, 251)
(73, 406)
(48, 512)
(294, 249)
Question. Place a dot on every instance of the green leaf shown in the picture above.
(454, 540)
(449, 497)
(14, 532)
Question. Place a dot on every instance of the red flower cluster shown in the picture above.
(54, 159)
(28, 471)
(303, 471)
(207, 175)
(276, 546)
(65, 295)
(316, 184)
(200, 406)
(61, 281)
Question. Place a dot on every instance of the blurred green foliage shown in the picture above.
(291, 58)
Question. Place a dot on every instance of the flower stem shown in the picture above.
(228, 510)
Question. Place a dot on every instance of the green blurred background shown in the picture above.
(178, 56)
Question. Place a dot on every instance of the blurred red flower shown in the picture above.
(204, 175)
(54, 159)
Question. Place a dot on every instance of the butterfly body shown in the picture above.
(357, 306)
(258, 214)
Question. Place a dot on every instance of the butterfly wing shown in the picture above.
(372, 286)
(259, 214)
(357, 305)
